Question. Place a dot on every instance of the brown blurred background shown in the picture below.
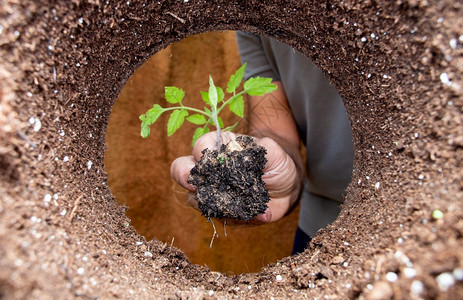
(138, 168)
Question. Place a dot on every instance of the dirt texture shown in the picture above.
(397, 65)
(229, 182)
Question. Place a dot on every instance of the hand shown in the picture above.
(280, 175)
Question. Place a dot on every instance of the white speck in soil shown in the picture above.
(210, 293)
(458, 274)
(444, 78)
(391, 277)
(363, 39)
(377, 185)
(66, 158)
(63, 212)
(47, 198)
(89, 164)
(37, 123)
(416, 288)
(80, 271)
(445, 281)
(279, 277)
(139, 243)
(148, 254)
(409, 272)
(453, 44)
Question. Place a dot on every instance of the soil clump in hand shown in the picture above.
(229, 182)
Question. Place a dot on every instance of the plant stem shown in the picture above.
(188, 108)
(217, 126)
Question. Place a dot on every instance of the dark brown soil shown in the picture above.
(229, 182)
(397, 65)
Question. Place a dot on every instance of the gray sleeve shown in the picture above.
(252, 50)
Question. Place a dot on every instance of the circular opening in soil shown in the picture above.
(138, 169)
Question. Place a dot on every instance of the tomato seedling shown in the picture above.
(215, 103)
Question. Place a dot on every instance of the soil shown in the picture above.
(229, 182)
(397, 65)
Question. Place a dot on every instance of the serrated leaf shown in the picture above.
(205, 97)
(173, 94)
(197, 119)
(220, 94)
(176, 119)
(258, 86)
(213, 97)
(198, 133)
(235, 79)
(145, 130)
(236, 106)
(153, 114)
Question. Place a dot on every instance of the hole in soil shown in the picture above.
(138, 169)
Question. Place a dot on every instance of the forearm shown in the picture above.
(270, 116)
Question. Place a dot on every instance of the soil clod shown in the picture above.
(229, 183)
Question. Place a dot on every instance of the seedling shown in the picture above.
(215, 103)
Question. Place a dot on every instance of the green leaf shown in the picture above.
(174, 94)
(213, 97)
(220, 94)
(207, 110)
(258, 86)
(220, 122)
(237, 106)
(198, 133)
(231, 128)
(197, 119)
(176, 119)
(205, 96)
(236, 79)
(153, 114)
(145, 130)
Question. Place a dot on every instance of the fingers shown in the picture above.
(280, 173)
(180, 170)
